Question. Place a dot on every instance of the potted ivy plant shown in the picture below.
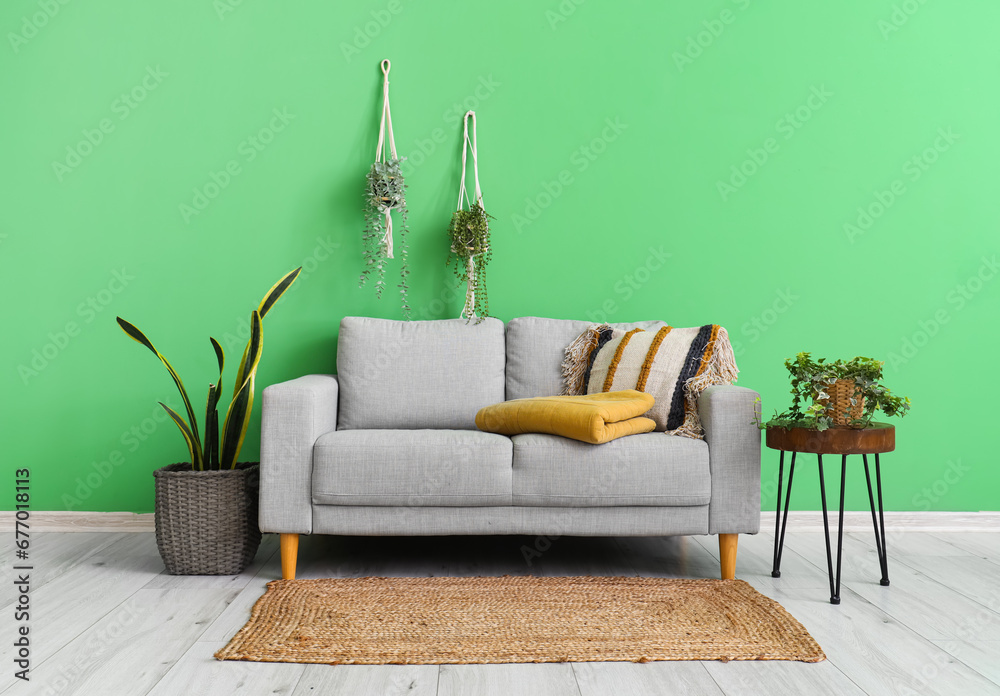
(385, 193)
(842, 393)
(206, 507)
(469, 234)
(470, 253)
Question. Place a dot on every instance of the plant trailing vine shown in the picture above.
(469, 234)
(470, 254)
(810, 381)
(385, 193)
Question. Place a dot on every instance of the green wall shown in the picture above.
(814, 176)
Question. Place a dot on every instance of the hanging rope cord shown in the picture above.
(469, 144)
(469, 310)
(382, 156)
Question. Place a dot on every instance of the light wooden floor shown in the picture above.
(107, 621)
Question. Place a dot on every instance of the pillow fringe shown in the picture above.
(574, 364)
(719, 368)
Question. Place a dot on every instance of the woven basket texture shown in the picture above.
(841, 392)
(206, 521)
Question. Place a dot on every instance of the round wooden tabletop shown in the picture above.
(875, 439)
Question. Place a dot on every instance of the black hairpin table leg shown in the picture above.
(779, 538)
(875, 438)
(834, 599)
(879, 523)
(775, 572)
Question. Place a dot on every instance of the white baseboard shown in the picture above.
(798, 521)
(62, 521)
(861, 521)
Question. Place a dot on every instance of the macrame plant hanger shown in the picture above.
(469, 310)
(382, 156)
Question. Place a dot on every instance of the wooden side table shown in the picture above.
(876, 439)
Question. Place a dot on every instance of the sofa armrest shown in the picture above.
(293, 415)
(727, 414)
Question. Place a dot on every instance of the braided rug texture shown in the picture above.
(469, 620)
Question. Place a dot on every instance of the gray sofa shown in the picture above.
(389, 446)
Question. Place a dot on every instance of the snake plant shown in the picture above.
(220, 450)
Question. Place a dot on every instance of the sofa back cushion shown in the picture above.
(535, 351)
(418, 374)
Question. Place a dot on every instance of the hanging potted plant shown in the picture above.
(843, 393)
(385, 193)
(469, 234)
(206, 508)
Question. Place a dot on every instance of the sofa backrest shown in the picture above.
(418, 374)
(535, 351)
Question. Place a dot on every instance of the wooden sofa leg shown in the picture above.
(289, 554)
(727, 553)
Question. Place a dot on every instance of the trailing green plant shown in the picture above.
(469, 234)
(811, 378)
(385, 193)
(220, 449)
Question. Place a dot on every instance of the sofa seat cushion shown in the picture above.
(418, 374)
(644, 469)
(411, 468)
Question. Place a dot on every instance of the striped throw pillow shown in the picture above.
(674, 365)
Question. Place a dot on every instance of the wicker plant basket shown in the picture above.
(206, 521)
(841, 392)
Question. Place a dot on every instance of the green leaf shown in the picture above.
(189, 438)
(272, 296)
(277, 290)
(211, 450)
(137, 335)
(220, 355)
(238, 417)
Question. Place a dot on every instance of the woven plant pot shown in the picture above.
(206, 521)
(841, 392)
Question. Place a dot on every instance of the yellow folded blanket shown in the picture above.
(594, 418)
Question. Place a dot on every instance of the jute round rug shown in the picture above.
(447, 620)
